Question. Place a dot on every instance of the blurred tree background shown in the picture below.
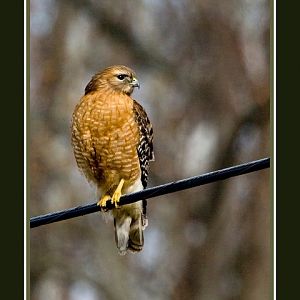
(204, 73)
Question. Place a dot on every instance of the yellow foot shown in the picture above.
(117, 194)
(103, 200)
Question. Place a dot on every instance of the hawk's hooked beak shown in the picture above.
(135, 82)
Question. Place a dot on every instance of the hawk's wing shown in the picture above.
(145, 145)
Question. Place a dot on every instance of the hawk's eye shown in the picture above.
(121, 77)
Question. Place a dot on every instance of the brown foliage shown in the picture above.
(204, 73)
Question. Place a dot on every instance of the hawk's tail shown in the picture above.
(129, 226)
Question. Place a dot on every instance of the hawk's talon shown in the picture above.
(115, 199)
(117, 194)
(103, 200)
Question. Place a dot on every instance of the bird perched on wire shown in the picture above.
(112, 139)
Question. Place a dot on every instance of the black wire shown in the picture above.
(155, 191)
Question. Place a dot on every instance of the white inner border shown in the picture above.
(274, 150)
(25, 154)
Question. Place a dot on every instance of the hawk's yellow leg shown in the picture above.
(117, 194)
(115, 197)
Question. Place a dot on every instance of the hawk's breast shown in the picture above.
(105, 138)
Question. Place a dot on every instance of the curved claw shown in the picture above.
(103, 200)
(115, 199)
(117, 194)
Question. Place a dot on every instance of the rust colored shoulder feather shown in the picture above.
(92, 85)
(145, 146)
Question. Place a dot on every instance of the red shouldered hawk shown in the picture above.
(112, 139)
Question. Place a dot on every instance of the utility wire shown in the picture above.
(154, 191)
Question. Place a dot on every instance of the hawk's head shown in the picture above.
(118, 78)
